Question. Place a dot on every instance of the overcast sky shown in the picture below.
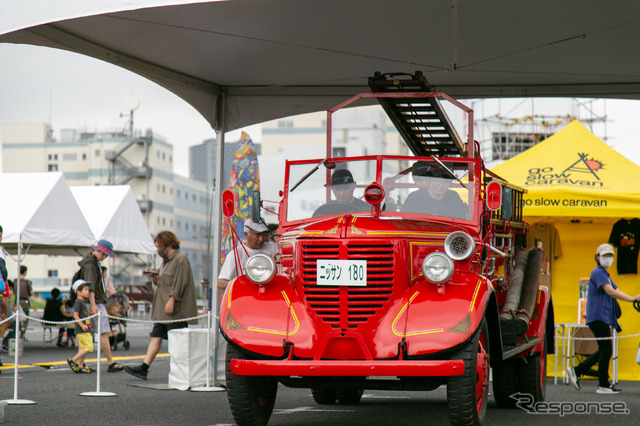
(68, 90)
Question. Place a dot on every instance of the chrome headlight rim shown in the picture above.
(260, 268)
(455, 239)
(445, 263)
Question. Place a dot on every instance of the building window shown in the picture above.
(178, 193)
(163, 156)
(52, 273)
(186, 195)
(84, 156)
(158, 187)
(193, 198)
(285, 124)
(52, 167)
(71, 156)
(170, 190)
(178, 224)
(158, 153)
(97, 153)
(164, 222)
(193, 227)
(158, 220)
(163, 189)
(339, 152)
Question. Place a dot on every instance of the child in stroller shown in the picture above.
(118, 306)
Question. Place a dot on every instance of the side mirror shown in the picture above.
(507, 203)
(494, 195)
(228, 203)
(255, 206)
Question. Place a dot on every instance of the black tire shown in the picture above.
(251, 398)
(126, 345)
(505, 383)
(324, 396)
(467, 395)
(532, 374)
(349, 396)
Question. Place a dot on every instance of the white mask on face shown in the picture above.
(605, 262)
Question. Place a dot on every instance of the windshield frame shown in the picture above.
(474, 183)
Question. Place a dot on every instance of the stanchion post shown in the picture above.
(15, 400)
(99, 338)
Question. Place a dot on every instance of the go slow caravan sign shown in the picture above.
(583, 173)
(573, 173)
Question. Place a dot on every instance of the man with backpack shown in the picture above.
(91, 271)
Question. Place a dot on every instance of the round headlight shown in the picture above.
(261, 268)
(437, 267)
(459, 245)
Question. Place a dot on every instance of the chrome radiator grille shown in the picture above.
(342, 306)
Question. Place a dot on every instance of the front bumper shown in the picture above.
(363, 368)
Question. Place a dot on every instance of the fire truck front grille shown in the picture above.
(348, 306)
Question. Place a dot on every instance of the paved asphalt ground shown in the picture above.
(56, 392)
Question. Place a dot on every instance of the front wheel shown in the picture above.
(349, 396)
(324, 396)
(251, 398)
(467, 394)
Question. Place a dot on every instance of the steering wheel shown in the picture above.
(334, 207)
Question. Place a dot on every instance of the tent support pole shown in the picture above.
(215, 293)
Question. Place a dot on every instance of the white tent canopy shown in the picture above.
(276, 58)
(40, 211)
(113, 214)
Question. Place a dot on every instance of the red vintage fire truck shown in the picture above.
(421, 278)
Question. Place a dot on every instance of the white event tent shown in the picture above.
(41, 212)
(113, 214)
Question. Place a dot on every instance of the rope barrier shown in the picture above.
(69, 322)
(596, 338)
(9, 318)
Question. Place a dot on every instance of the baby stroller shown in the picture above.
(118, 306)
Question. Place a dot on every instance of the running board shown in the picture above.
(510, 351)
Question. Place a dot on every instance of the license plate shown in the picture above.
(342, 272)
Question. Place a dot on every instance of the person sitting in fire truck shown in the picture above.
(435, 197)
(343, 186)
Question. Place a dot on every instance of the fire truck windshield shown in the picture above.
(412, 187)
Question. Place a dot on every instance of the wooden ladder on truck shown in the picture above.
(422, 122)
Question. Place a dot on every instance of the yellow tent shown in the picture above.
(581, 186)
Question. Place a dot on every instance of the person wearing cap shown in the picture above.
(92, 272)
(83, 327)
(435, 197)
(602, 315)
(174, 299)
(343, 186)
(256, 235)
